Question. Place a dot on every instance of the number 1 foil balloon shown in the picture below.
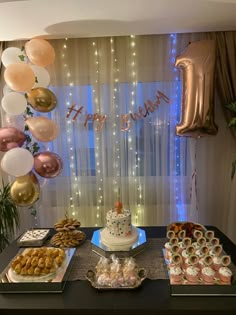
(197, 63)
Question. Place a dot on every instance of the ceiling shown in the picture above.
(94, 18)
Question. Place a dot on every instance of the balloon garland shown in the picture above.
(26, 86)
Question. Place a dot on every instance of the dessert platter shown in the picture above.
(33, 237)
(119, 235)
(116, 273)
(196, 262)
(43, 269)
(68, 234)
(38, 268)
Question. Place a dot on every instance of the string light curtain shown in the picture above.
(139, 161)
(146, 166)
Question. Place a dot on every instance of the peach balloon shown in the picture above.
(19, 77)
(40, 52)
(42, 128)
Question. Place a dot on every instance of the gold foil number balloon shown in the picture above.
(25, 190)
(197, 63)
(42, 128)
(42, 99)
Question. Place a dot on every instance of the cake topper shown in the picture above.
(118, 207)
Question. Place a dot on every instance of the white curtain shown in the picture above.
(160, 177)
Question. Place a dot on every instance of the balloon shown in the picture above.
(42, 128)
(47, 164)
(40, 52)
(41, 99)
(25, 190)
(6, 90)
(19, 77)
(41, 75)
(11, 137)
(17, 162)
(197, 63)
(14, 103)
(12, 55)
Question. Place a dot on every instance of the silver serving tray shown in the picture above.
(91, 277)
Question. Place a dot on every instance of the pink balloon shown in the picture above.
(11, 137)
(42, 128)
(48, 164)
(19, 77)
(40, 52)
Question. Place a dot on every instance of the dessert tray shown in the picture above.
(92, 278)
(34, 237)
(40, 270)
(197, 263)
(116, 274)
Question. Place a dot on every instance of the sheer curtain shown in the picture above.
(147, 166)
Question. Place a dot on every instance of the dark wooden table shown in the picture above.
(153, 297)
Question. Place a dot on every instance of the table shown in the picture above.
(153, 297)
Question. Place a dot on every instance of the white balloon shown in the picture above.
(42, 76)
(6, 89)
(11, 55)
(17, 162)
(14, 103)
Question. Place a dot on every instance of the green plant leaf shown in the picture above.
(21, 57)
(233, 170)
(231, 107)
(232, 122)
(9, 217)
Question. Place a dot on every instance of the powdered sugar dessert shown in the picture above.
(176, 274)
(208, 275)
(225, 274)
(119, 234)
(192, 274)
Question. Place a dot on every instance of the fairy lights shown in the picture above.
(75, 182)
(179, 211)
(98, 137)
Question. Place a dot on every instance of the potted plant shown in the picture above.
(9, 217)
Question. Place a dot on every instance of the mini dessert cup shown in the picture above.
(208, 275)
(201, 241)
(192, 274)
(176, 260)
(176, 274)
(214, 241)
(225, 275)
(216, 263)
(191, 261)
(209, 235)
(170, 234)
(182, 234)
(197, 234)
(225, 260)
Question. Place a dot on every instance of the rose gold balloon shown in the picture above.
(42, 128)
(197, 63)
(11, 137)
(42, 99)
(19, 77)
(25, 190)
(40, 52)
(47, 164)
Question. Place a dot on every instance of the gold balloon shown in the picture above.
(197, 63)
(42, 99)
(25, 190)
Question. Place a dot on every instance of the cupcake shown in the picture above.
(176, 274)
(192, 274)
(225, 274)
(208, 275)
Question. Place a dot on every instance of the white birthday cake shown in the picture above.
(119, 234)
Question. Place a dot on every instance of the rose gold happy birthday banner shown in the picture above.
(143, 111)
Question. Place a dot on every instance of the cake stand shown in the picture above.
(103, 250)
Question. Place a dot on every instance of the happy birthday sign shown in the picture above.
(143, 111)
